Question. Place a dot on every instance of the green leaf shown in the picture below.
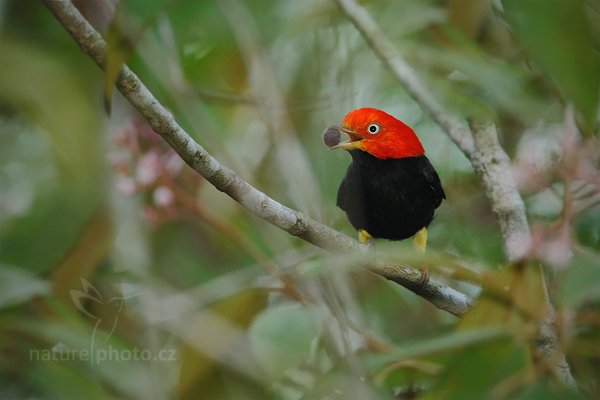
(545, 391)
(281, 337)
(588, 229)
(556, 33)
(442, 343)
(132, 19)
(59, 381)
(581, 282)
(18, 285)
(493, 370)
(54, 137)
(119, 48)
(340, 383)
(201, 373)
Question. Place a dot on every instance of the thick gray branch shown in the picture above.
(492, 165)
(412, 279)
(230, 183)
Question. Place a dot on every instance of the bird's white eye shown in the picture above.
(373, 128)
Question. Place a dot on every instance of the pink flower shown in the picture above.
(149, 168)
(554, 247)
(163, 197)
(152, 216)
(173, 163)
(125, 185)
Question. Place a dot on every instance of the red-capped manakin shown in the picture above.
(390, 190)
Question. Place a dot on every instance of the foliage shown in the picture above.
(182, 294)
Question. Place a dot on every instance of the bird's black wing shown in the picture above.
(351, 197)
(348, 190)
(432, 178)
(342, 195)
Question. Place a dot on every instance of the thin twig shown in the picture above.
(227, 181)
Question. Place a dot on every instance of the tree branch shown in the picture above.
(490, 162)
(493, 166)
(227, 181)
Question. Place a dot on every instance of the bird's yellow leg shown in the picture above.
(420, 240)
(363, 236)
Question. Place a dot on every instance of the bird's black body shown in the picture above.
(392, 198)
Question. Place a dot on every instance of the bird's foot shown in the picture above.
(420, 243)
(364, 237)
(420, 240)
(424, 277)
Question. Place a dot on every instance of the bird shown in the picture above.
(390, 190)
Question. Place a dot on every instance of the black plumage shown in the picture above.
(392, 198)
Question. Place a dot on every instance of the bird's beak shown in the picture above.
(332, 138)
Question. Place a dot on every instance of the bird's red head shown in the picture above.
(379, 134)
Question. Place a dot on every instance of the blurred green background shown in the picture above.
(124, 275)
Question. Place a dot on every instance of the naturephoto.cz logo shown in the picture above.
(105, 323)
